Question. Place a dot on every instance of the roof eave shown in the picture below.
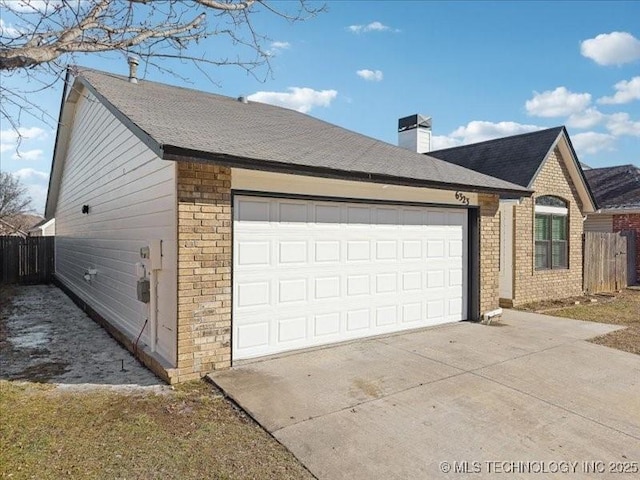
(175, 153)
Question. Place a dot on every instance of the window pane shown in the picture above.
(559, 228)
(559, 254)
(542, 257)
(542, 227)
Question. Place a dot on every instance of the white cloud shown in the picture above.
(479, 131)
(557, 103)
(370, 27)
(28, 155)
(280, 45)
(586, 119)
(592, 142)
(621, 124)
(302, 99)
(626, 91)
(438, 142)
(8, 30)
(37, 186)
(613, 48)
(31, 174)
(33, 6)
(9, 139)
(277, 47)
(370, 75)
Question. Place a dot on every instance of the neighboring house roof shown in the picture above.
(518, 158)
(7, 228)
(42, 224)
(19, 224)
(178, 122)
(615, 187)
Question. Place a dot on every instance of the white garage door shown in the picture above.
(309, 273)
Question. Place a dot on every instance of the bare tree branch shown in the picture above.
(13, 196)
(41, 38)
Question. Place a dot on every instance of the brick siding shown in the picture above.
(531, 284)
(489, 251)
(204, 270)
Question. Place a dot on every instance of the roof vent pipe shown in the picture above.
(243, 99)
(133, 69)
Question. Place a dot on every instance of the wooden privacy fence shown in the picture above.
(26, 260)
(605, 262)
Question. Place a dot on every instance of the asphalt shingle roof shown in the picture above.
(515, 159)
(213, 127)
(615, 186)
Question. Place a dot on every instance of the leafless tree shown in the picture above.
(14, 200)
(38, 38)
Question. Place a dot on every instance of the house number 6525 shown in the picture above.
(462, 198)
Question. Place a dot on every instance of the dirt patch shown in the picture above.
(45, 337)
(544, 306)
(622, 308)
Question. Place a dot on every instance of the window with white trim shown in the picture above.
(551, 233)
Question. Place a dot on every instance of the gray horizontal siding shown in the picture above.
(132, 199)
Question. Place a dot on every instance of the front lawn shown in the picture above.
(188, 433)
(621, 309)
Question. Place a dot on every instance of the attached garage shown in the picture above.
(245, 230)
(309, 272)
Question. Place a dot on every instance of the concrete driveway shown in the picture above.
(527, 398)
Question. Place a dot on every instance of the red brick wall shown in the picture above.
(630, 221)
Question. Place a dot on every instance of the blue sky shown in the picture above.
(480, 69)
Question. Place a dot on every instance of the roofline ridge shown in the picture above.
(560, 127)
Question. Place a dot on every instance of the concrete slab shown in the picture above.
(596, 382)
(530, 390)
(287, 390)
(461, 419)
(548, 325)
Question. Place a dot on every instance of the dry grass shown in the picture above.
(189, 433)
(622, 309)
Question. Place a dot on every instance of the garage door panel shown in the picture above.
(358, 251)
(292, 329)
(326, 324)
(313, 272)
(358, 319)
(252, 253)
(292, 290)
(252, 210)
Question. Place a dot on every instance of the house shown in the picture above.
(44, 228)
(617, 191)
(9, 229)
(18, 225)
(216, 230)
(540, 236)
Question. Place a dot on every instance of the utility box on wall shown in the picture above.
(144, 290)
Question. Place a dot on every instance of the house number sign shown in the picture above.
(462, 198)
